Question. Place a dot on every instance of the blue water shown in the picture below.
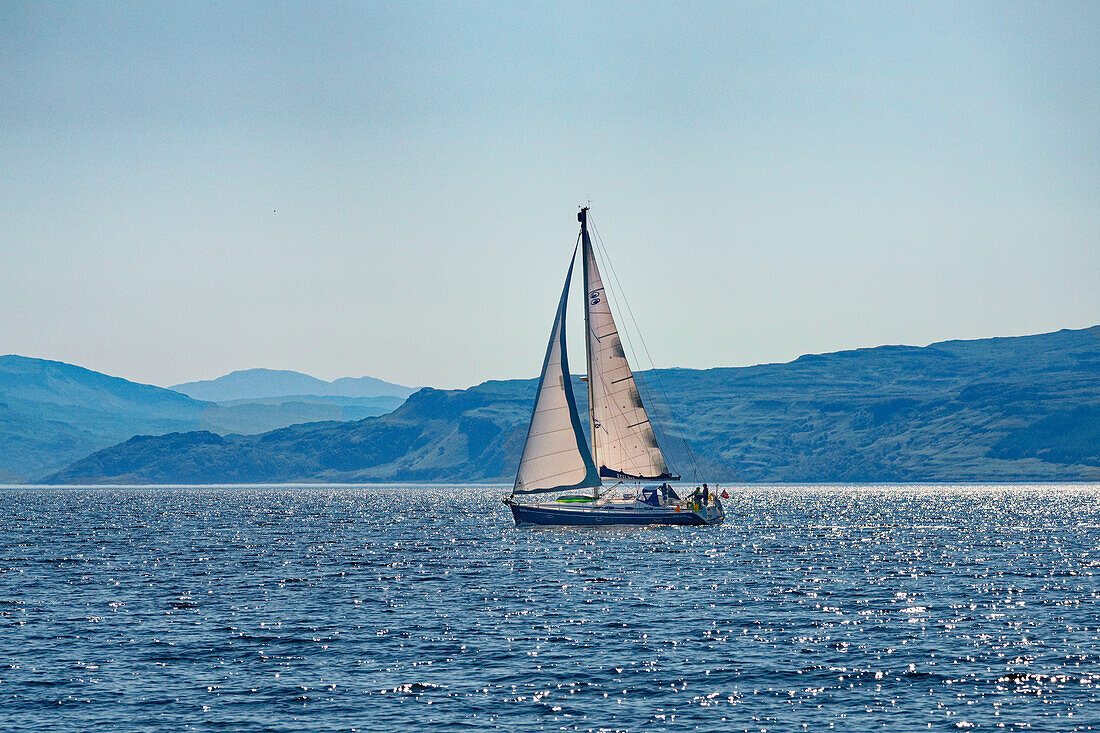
(340, 609)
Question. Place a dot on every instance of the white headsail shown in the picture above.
(622, 436)
(555, 455)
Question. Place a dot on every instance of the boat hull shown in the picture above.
(595, 516)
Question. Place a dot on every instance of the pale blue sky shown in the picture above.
(390, 189)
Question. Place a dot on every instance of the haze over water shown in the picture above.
(365, 608)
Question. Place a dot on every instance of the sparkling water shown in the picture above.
(424, 608)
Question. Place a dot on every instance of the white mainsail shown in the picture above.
(622, 436)
(555, 455)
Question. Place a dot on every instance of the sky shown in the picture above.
(390, 189)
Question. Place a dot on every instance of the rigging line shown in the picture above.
(637, 462)
(611, 288)
(621, 295)
(614, 286)
(628, 460)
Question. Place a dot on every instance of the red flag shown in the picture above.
(725, 495)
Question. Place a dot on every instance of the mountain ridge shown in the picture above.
(1000, 409)
(53, 413)
(260, 383)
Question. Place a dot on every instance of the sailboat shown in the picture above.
(557, 459)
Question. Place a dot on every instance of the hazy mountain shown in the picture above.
(52, 413)
(1002, 409)
(262, 415)
(252, 384)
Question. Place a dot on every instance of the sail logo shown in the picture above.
(594, 297)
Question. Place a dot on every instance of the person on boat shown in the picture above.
(668, 495)
(696, 499)
(706, 495)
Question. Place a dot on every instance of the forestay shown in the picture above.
(555, 454)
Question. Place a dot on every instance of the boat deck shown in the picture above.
(608, 512)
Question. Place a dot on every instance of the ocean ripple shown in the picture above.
(417, 608)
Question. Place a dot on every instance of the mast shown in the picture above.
(586, 247)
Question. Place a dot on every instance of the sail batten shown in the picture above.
(555, 454)
(623, 440)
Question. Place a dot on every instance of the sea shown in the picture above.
(417, 608)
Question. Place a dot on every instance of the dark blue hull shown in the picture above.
(595, 516)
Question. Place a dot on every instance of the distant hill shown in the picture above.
(52, 413)
(1003, 409)
(253, 384)
(271, 413)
